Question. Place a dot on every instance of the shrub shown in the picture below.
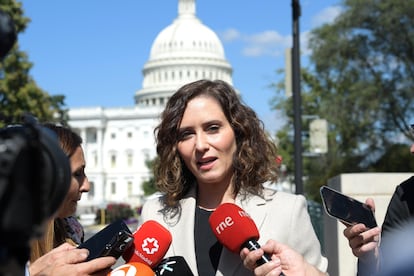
(115, 211)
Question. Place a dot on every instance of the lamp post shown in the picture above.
(103, 212)
(297, 97)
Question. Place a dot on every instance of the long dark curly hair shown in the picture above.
(253, 162)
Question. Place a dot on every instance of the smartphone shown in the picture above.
(113, 240)
(346, 209)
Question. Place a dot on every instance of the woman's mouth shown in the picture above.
(206, 163)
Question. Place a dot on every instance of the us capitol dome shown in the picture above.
(183, 52)
(118, 142)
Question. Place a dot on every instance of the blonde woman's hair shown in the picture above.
(55, 233)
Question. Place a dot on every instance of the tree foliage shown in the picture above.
(360, 79)
(19, 93)
(149, 185)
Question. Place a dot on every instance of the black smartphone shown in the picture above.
(113, 240)
(346, 209)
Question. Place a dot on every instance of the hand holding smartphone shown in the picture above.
(113, 240)
(346, 209)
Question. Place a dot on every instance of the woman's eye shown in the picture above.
(213, 128)
(78, 173)
(184, 135)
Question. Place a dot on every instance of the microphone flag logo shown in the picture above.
(150, 245)
(166, 267)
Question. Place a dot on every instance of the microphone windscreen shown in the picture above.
(132, 269)
(151, 242)
(233, 226)
(175, 265)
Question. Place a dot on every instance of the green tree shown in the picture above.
(395, 159)
(360, 79)
(19, 93)
(149, 185)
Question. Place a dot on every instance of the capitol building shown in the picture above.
(119, 141)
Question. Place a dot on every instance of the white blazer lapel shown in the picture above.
(229, 263)
(183, 234)
(256, 207)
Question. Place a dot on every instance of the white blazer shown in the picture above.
(279, 216)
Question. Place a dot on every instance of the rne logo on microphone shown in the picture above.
(243, 213)
(150, 245)
(227, 222)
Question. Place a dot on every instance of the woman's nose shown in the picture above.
(201, 143)
(85, 187)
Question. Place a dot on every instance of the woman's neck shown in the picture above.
(209, 197)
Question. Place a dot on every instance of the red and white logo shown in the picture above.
(150, 246)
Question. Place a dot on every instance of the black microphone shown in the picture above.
(175, 265)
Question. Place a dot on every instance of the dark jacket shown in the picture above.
(400, 212)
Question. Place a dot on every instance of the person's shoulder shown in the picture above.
(273, 192)
(153, 203)
(408, 183)
(151, 207)
(279, 196)
(153, 200)
(406, 187)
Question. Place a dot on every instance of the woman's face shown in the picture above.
(78, 184)
(207, 142)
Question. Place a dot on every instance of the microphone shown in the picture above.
(151, 242)
(235, 229)
(132, 269)
(175, 265)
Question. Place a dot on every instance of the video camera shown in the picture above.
(34, 178)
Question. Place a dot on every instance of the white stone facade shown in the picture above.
(117, 143)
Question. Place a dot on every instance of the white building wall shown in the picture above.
(116, 147)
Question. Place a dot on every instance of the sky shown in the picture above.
(93, 51)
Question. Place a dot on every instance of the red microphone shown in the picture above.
(151, 242)
(132, 269)
(235, 229)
